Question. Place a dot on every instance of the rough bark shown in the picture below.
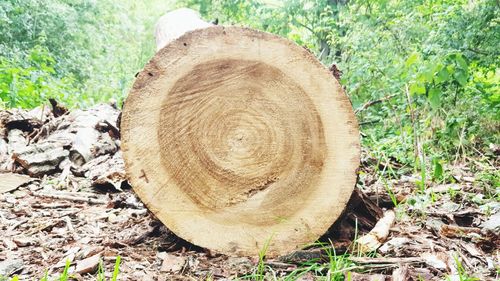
(45, 141)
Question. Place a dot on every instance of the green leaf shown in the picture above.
(442, 75)
(64, 276)
(461, 77)
(417, 88)
(438, 169)
(434, 98)
(412, 59)
(116, 270)
(461, 62)
(428, 75)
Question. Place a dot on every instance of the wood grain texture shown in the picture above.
(235, 138)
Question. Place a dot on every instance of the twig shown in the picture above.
(305, 26)
(419, 152)
(373, 102)
(369, 122)
(44, 226)
(481, 52)
(45, 129)
(280, 265)
(412, 117)
(371, 241)
(72, 198)
(51, 206)
(17, 224)
(69, 225)
(460, 145)
(402, 260)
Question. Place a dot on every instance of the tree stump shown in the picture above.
(239, 140)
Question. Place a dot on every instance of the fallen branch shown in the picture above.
(373, 240)
(44, 225)
(373, 102)
(398, 260)
(281, 265)
(369, 122)
(75, 198)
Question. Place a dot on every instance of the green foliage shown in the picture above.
(260, 270)
(394, 200)
(331, 269)
(446, 52)
(462, 273)
(81, 52)
(30, 81)
(65, 275)
(116, 269)
(438, 169)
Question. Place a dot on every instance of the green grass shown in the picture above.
(332, 269)
(462, 272)
(259, 273)
(66, 276)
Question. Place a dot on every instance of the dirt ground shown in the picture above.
(61, 200)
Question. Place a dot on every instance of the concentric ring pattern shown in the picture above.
(238, 139)
(241, 128)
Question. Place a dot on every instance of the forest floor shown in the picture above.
(65, 202)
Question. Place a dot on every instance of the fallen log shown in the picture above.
(239, 140)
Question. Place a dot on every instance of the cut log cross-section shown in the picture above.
(238, 139)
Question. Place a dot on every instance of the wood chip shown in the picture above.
(493, 223)
(41, 158)
(400, 274)
(455, 231)
(110, 172)
(473, 250)
(172, 264)
(11, 181)
(68, 256)
(88, 265)
(9, 244)
(394, 244)
(354, 276)
(374, 239)
(70, 197)
(22, 241)
(10, 266)
(442, 188)
(436, 260)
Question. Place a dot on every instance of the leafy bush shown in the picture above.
(438, 61)
(444, 53)
(30, 81)
(91, 49)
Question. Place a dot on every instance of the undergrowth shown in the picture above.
(66, 275)
(333, 267)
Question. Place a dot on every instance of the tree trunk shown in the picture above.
(174, 24)
(239, 140)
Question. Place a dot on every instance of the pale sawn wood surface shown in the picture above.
(236, 138)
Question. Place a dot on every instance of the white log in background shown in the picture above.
(174, 24)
